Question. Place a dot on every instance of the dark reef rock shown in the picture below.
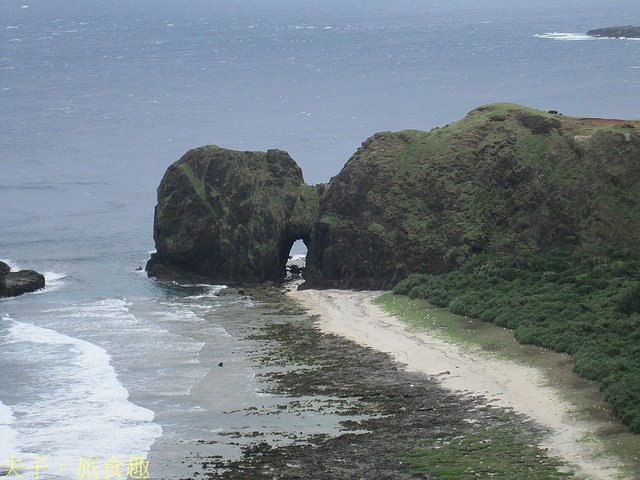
(538, 124)
(627, 31)
(229, 216)
(505, 179)
(13, 284)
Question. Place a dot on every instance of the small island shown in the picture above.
(627, 31)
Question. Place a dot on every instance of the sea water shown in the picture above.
(98, 98)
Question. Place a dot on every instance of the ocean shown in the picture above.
(99, 98)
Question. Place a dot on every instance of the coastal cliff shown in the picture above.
(505, 179)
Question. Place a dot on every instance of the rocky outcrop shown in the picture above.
(230, 216)
(13, 284)
(627, 31)
(504, 179)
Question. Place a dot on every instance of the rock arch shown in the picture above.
(231, 216)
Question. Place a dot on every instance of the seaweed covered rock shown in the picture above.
(230, 216)
(504, 179)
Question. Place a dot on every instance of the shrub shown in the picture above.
(629, 301)
(589, 308)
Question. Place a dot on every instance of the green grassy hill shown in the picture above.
(505, 179)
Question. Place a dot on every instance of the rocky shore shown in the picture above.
(13, 284)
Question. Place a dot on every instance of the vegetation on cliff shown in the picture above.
(505, 179)
(535, 215)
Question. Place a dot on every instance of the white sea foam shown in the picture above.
(8, 435)
(183, 315)
(135, 341)
(53, 278)
(214, 288)
(572, 37)
(565, 36)
(14, 266)
(81, 408)
(107, 308)
(211, 293)
(298, 259)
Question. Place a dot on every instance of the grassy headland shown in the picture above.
(506, 179)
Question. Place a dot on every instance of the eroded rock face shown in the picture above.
(505, 179)
(230, 216)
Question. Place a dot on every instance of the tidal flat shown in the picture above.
(397, 424)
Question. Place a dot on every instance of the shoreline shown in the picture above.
(391, 423)
(505, 383)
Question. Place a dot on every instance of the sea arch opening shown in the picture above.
(294, 254)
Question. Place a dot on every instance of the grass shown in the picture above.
(333, 220)
(419, 314)
(198, 185)
(376, 228)
(503, 451)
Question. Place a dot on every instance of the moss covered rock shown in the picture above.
(504, 179)
(230, 216)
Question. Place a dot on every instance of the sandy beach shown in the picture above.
(504, 383)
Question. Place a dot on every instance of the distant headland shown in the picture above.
(627, 31)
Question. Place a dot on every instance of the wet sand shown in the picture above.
(505, 383)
